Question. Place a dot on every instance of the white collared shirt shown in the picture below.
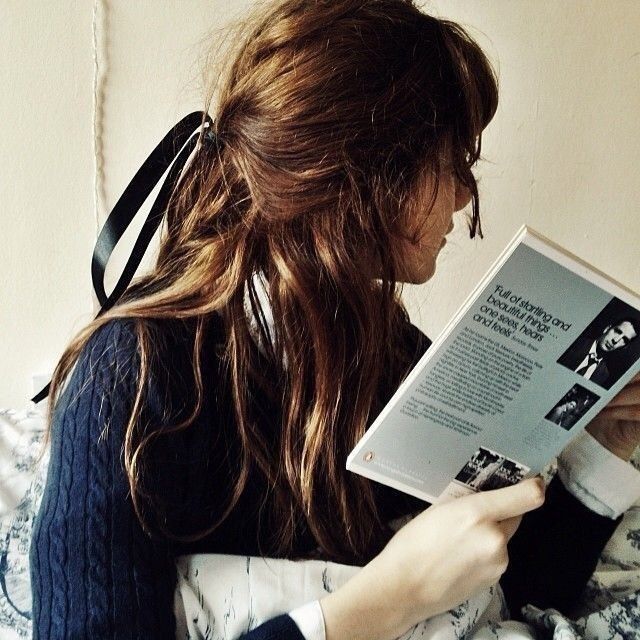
(596, 360)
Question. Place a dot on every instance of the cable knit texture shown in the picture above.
(96, 574)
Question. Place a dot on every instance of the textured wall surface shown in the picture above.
(46, 186)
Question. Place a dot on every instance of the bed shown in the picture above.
(610, 606)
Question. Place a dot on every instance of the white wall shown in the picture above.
(46, 185)
(562, 152)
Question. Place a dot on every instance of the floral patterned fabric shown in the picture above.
(21, 487)
(219, 596)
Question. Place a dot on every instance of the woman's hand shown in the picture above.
(432, 564)
(617, 426)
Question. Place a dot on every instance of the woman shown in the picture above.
(212, 410)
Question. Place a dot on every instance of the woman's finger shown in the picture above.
(510, 526)
(629, 395)
(501, 504)
(623, 412)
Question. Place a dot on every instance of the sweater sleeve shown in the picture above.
(554, 552)
(94, 571)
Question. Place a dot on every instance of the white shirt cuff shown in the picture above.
(603, 482)
(310, 620)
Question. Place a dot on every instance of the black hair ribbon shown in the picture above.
(172, 151)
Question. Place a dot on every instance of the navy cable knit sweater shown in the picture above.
(96, 574)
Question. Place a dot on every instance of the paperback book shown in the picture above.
(536, 351)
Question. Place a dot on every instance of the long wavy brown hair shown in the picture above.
(328, 119)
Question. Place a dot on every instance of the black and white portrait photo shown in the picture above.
(572, 406)
(606, 349)
(490, 470)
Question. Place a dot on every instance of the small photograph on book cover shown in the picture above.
(606, 349)
(572, 406)
(489, 469)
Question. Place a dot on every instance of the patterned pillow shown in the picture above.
(22, 484)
